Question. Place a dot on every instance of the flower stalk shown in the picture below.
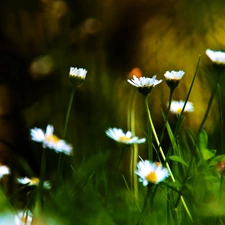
(164, 158)
(61, 159)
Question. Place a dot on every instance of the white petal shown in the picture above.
(24, 180)
(49, 130)
(37, 135)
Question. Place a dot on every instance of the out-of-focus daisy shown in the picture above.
(216, 57)
(7, 217)
(173, 78)
(149, 172)
(24, 218)
(4, 170)
(174, 75)
(221, 167)
(33, 182)
(177, 106)
(126, 138)
(77, 76)
(49, 140)
(144, 84)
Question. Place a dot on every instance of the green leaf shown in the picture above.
(178, 159)
(203, 140)
(211, 179)
(217, 159)
(171, 136)
(208, 154)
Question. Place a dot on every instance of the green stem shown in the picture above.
(221, 117)
(150, 142)
(68, 112)
(122, 151)
(167, 113)
(60, 161)
(164, 158)
(4, 201)
(180, 120)
(134, 147)
(42, 177)
(145, 203)
(208, 109)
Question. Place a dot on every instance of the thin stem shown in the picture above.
(122, 151)
(42, 177)
(133, 197)
(221, 116)
(68, 112)
(4, 200)
(208, 109)
(145, 203)
(134, 148)
(164, 158)
(150, 153)
(187, 97)
(60, 161)
(167, 113)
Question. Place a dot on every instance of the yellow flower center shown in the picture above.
(34, 181)
(51, 138)
(151, 177)
(179, 110)
(124, 139)
(24, 218)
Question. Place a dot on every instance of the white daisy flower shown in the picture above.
(49, 140)
(144, 81)
(173, 78)
(216, 57)
(77, 75)
(144, 84)
(7, 217)
(149, 172)
(33, 182)
(177, 106)
(24, 218)
(119, 136)
(174, 75)
(4, 170)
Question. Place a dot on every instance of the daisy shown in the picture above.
(77, 75)
(33, 182)
(149, 172)
(24, 218)
(216, 57)
(49, 140)
(119, 136)
(177, 106)
(174, 75)
(173, 78)
(144, 84)
(4, 170)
